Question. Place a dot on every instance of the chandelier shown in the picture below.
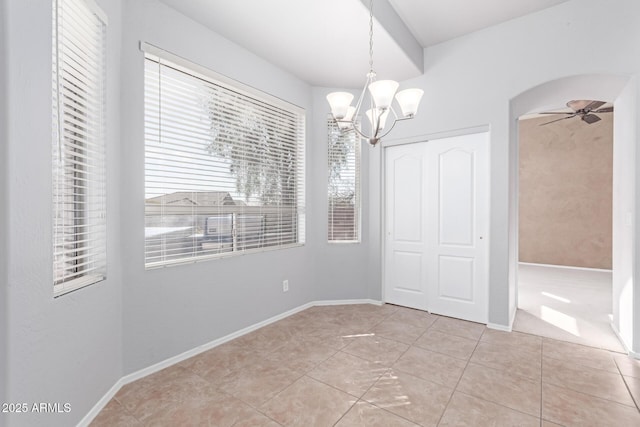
(381, 95)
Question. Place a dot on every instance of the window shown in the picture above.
(224, 165)
(344, 184)
(79, 224)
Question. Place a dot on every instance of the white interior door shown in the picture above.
(436, 226)
(405, 236)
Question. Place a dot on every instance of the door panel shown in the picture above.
(456, 197)
(456, 278)
(407, 198)
(408, 271)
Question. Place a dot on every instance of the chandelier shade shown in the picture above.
(382, 92)
(409, 100)
(339, 102)
(380, 95)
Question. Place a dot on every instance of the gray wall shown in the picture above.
(74, 348)
(4, 188)
(470, 81)
(341, 268)
(68, 349)
(626, 302)
(172, 310)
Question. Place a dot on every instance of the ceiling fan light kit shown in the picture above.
(585, 109)
(380, 94)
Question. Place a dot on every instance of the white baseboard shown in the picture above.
(499, 327)
(566, 267)
(346, 302)
(99, 406)
(624, 344)
(504, 328)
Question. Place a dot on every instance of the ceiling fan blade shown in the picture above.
(558, 112)
(604, 110)
(591, 118)
(557, 120)
(594, 105)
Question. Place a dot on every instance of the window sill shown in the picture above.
(75, 284)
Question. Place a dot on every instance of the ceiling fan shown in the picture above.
(584, 109)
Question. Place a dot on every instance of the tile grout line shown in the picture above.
(370, 324)
(627, 386)
(486, 367)
(390, 367)
(305, 374)
(127, 411)
(607, 399)
(461, 375)
(541, 383)
(359, 399)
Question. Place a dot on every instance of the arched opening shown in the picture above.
(621, 92)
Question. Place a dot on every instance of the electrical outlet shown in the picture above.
(285, 286)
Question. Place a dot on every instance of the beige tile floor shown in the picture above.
(367, 365)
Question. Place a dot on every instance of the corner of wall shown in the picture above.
(4, 283)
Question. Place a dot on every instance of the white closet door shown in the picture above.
(405, 236)
(457, 184)
(436, 220)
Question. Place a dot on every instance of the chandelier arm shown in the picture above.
(361, 98)
(378, 118)
(387, 131)
(359, 132)
(391, 127)
(394, 113)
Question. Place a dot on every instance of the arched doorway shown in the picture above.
(622, 92)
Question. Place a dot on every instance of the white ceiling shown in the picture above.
(325, 42)
(436, 21)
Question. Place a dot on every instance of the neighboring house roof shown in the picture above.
(194, 198)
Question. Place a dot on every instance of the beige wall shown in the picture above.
(566, 191)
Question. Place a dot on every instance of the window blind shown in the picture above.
(344, 184)
(224, 166)
(79, 224)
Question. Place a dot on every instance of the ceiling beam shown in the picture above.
(386, 15)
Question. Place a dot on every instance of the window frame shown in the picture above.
(78, 145)
(333, 129)
(156, 54)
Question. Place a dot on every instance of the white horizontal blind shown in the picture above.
(344, 184)
(79, 224)
(224, 168)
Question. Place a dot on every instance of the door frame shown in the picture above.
(383, 199)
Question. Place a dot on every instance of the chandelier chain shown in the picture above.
(371, 35)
